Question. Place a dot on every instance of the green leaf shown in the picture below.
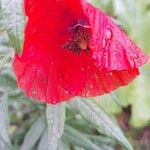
(63, 146)
(34, 134)
(75, 137)
(4, 61)
(43, 144)
(56, 121)
(94, 114)
(4, 43)
(14, 21)
(7, 81)
(5, 143)
(107, 147)
(78, 148)
(101, 140)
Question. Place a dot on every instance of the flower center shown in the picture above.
(79, 40)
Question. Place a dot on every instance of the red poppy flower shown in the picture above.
(73, 49)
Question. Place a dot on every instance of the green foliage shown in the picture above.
(34, 134)
(13, 17)
(80, 124)
(56, 121)
(95, 115)
(77, 138)
(4, 118)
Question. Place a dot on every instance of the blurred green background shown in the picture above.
(130, 105)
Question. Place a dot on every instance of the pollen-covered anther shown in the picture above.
(79, 40)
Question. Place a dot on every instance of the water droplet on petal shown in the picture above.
(82, 69)
(138, 63)
(108, 34)
(52, 63)
(135, 55)
(94, 56)
(91, 86)
(131, 54)
(34, 92)
(66, 92)
(128, 50)
(87, 94)
(104, 43)
(34, 30)
(110, 73)
(54, 101)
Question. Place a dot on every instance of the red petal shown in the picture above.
(112, 49)
(49, 73)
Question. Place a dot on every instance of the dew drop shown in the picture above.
(108, 34)
(54, 102)
(52, 63)
(34, 92)
(82, 69)
(110, 73)
(128, 51)
(34, 30)
(104, 43)
(94, 56)
(91, 86)
(131, 54)
(135, 55)
(87, 94)
(138, 63)
(66, 92)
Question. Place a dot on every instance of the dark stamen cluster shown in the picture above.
(79, 40)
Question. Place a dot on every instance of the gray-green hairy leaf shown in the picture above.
(55, 120)
(34, 134)
(3, 61)
(78, 148)
(94, 114)
(14, 21)
(63, 146)
(101, 140)
(5, 143)
(79, 139)
(43, 144)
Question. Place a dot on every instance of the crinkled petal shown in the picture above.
(112, 48)
(51, 74)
